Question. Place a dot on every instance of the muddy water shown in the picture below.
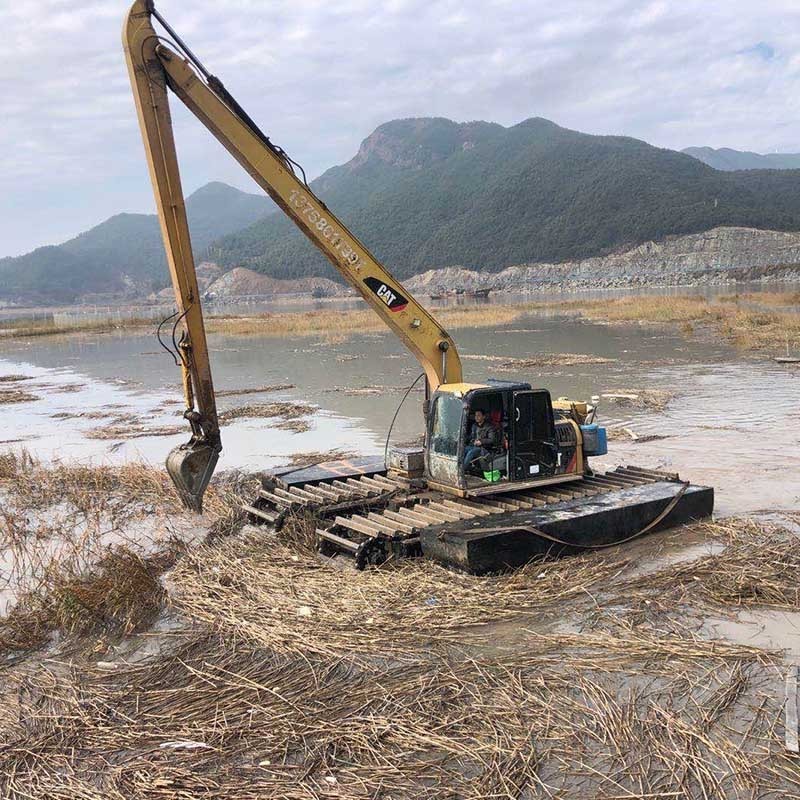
(732, 423)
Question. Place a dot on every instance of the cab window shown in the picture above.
(446, 425)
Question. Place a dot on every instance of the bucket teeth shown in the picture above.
(191, 466)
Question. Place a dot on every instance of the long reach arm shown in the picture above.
(153, 67)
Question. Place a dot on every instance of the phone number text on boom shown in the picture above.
(323, 227)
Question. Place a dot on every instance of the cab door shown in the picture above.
(444, 446)
(534, 450)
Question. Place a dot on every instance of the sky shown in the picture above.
(319, 76)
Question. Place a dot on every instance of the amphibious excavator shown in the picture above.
(475, 505)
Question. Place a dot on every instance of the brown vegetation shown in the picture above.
(291, 680)
(342, 323)
(734, 317)
(9, 396)
(755, 568)
(650, 399)
(25, 328)
(508, 364)
(83, 547)
(133, 428)
(747, 328)
(278, 387)
(310, 457)
(294, 425)
(284, 410)
(285, 678)
(120, 594)
(764, 298)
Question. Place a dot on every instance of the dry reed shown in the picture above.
(284, 410)
(343, 323)
(748, 329)
(9, 396)
(507, 363)
(291, 680)
(757, 567)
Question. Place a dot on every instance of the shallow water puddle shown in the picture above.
(766, 628)
(77, 417)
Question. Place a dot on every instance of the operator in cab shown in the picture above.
(482, 441)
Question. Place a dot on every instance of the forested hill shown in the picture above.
(429, 192)
(125, 252)
(727, 159)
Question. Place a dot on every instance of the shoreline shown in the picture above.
(753, 321)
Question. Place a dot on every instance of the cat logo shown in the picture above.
(390, 296)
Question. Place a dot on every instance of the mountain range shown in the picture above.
(726, 159)
(427, 193)
(125, 253)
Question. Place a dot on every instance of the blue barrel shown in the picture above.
(595, 440)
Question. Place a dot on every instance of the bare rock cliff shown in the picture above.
(720, 255)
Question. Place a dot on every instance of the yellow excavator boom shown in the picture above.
(153, 67)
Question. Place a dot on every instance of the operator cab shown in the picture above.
(527, 442)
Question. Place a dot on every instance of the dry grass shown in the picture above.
(309, 458)
(729, 315)
(285, 410)
(509, 364)
(344, 323)
(117, 596)
(26, 328)
(746, 328)
(122, 427)
(294, 425)
(386, 609)
(30, 485)
(221, 719)
(278, 387)
(757, 568)
(372, 390)
(9, 396)
(350, 699)
(649, 308)
(132, 429)
(291, 680)
(764, 298)
(78, 543)
(649, 399)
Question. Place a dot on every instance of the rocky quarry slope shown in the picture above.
(241, 283)
(720, 255)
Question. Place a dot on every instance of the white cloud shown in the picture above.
(319, 77)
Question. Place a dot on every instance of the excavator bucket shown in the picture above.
(191, 466)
